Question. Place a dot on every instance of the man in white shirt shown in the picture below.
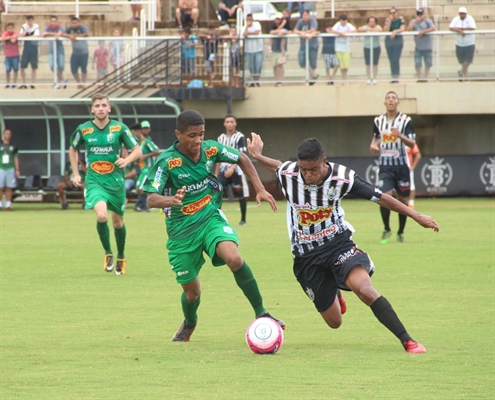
(342, 45)
(464, 40)
(30, 51)
(253, 48)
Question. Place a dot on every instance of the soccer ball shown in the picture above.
(264, 336)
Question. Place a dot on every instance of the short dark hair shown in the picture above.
(74, 19)
(9, 24)
(189, 118)
(211, 26)
(29, 17)
(249, 15)
(99, 96)
(371, 17)
(343, 17)
(305, 12)
(54, 16)
(186, 30)
(310, 150)
(391, 91)
(135, 126)
(230, 116)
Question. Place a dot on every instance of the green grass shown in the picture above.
(71, 331)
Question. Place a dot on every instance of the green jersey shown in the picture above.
(8, 153)
(102, 148)
(173, 170)
(147, 147)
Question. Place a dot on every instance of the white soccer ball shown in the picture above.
(264, 336)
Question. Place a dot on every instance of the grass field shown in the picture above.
(71, 331)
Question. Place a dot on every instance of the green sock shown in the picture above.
(120, 239)
(189, 310)
(104, 233)
(245, 280)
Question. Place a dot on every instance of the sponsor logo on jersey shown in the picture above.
(87, 131)
(193, 208)
(214, 184)
(115, 128)
(183, 176)
(303, 237)
(141, 164)
(174, 162)
(289, 173)
(110, 137)
(101, 150)
(338, 178)
(156, 185)
(230, 155)
(436, 175)
(307, 217)
(158, 174)
(212, 151)
(388, 138)
(306, 206)
(91, 140)
(181, 273)
(102, 167)
(76, 140)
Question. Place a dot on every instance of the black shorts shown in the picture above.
(397, 178)
(184, 17)
(465, 53)
(29, 56)
(322, 273)
(235, 181)
(376, 55)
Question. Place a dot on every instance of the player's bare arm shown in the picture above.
(407, 140)
(135, 155)
(255, 148)
(391, 203)
(74, 161)
(374, 146)
(156, 200)
(261, 193)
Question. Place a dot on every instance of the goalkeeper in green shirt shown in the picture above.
(103, 139)
(182, 181)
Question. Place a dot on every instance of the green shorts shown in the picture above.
(115, 200)
(142, 178)
(186, 256)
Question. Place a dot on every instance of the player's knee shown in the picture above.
(234, 262)
(334, 322)
(367, 293)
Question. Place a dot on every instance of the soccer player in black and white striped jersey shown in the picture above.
(326, 259)
(231, 174)
(392, 132)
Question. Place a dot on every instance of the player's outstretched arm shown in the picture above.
(261, 193)
(391, 203)
(255, 148)
(135, 155)
(156, 200)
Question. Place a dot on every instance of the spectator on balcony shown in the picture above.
(395, 42)
(116, 50)
(227, 10)
(307, 28)
(278, 48)
(253, 48)
(342, 45)
(136, 8)
(188, 60)
(100, 59)
(464, 40)
(186, 12)
(56, 61)
(11, 51)
(280, 28)
(371, 42)
(235, 55)
(300, 7)
(80, 50)
(30, 50)
(329, 55)
(210, 45)
(424, 43)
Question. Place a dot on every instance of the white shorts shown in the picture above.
(7, 178)
(411, 179)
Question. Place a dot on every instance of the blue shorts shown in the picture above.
(60, 61)
(79, 61)
(422, 54)
(254, 62)
(313, 54)
(12, 63)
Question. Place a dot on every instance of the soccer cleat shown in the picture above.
(400, 238)
(414, 347)
(411, 206)
(385, 236)
(120, 267)
(241, 223)
(266, 314)
(108, 263)
(343, 304)
(64, 206)
(184, 332)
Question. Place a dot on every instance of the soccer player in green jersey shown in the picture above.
(182, 180)
(9, 168)
(150, 152)
(103, 139)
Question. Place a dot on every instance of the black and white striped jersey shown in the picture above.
(238, 141)
(392, 149)
(314, 214)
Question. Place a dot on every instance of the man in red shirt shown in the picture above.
(9, 37)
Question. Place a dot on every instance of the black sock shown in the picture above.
(402, 223)
(386, 315)
(385, 217)
(243, 205)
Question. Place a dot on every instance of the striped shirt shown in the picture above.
(392, 149)
(238, 141)
(315, 217)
